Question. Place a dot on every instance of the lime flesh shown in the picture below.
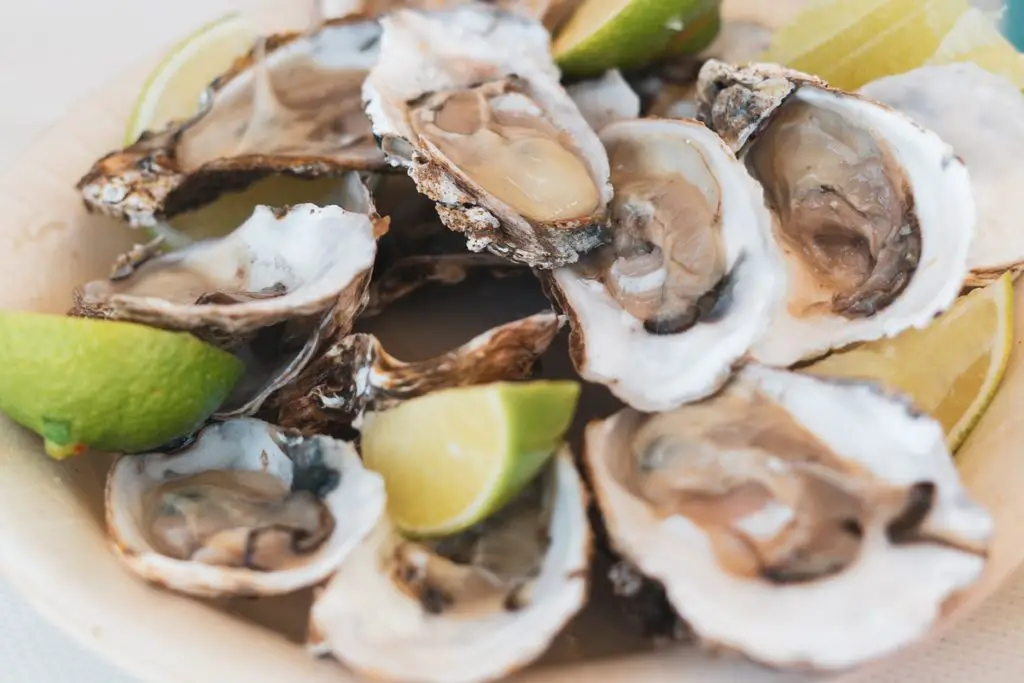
(628, 34)
(453, 457)
(112, 386)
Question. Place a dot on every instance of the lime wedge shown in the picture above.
(852, 42)
(113, 386)
(952, 368)
(451, 458)
(627, 34)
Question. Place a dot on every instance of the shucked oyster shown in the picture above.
(285, 280)
(247, 509)
(982, 116)
(798, 520)
(662, 313)
(466, 608)
(293, 106)
(468, 101)
(873, 213)
(356, 374)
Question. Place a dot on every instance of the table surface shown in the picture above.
(56, 52)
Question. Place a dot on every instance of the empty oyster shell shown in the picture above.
(293, 106)
(356, 374)
(272, 291)
(826, 501)
(246, 509)
(691, 279)
(466, 608)
(982, 116)
(468, 101)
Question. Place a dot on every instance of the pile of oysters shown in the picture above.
(801, 521)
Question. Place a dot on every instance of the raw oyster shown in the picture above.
(466, 608)
(356, 374)
(691, 278)
(873, 213)
(271, 291)
(605, 99)
(827, 501)
(982, 116)
(246, 509)
(266, 115)
(468, 101)
(553, 12)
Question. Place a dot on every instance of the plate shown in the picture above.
(52, 541)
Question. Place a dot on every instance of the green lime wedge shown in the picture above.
(453, 457)
(113, 386)
(628, 34)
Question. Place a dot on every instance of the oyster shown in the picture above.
(605, 99)
(873, 213)
(827, 501)
(468, 101)
(270, 291)
(471, 607)
(292, 106)
(982, 116)
(691, 279)
(247, 509)
(356, 374)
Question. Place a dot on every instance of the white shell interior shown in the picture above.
(888, 598)
(314, 252)
(382, 632)
(945, 210)
(606, 99)
(657, 372)
(982, 116)
(357, 503)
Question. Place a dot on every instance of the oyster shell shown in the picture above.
(466, 608)
(356, 374)
(246, 509)
(982, 116)
(827, 501)
(266, 115)
(272, 291)
(691, 279)
(873, 213)
(605, 99)
(468, 101)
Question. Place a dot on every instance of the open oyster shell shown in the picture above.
(874, 214)
(982, 116)
(246, 509)
(826, 503)
(691, 279)
(466, 608)
(605, 99)
(356, 374)
(293, 106)
(468, 100)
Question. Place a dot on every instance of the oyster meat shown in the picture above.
(982, 116)
(292, 106)
(283, 281)
(691, 279)
(465, 608)
(246, 509)
(468, 100)
(801, 521)
(356, 374)
(874, 214)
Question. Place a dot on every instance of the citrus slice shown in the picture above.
(852, 42)
(173, 90)
(451, 458)
(113, 386)
(627, 34)
(952, 368)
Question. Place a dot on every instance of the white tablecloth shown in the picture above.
(51, 53)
